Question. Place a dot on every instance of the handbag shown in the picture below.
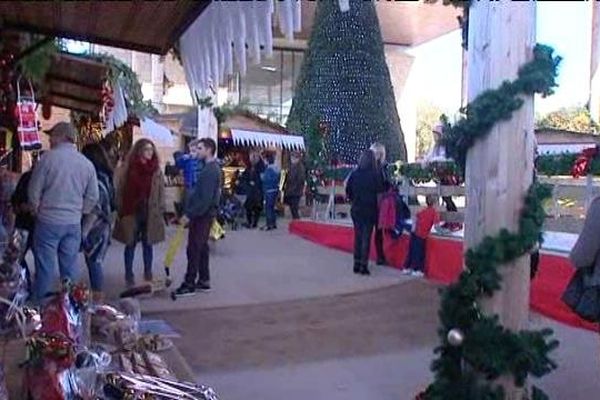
(582, 296)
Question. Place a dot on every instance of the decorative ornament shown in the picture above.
(33, 320)
(456, 337)
(583, 163)
(79, 295)
(25, 113)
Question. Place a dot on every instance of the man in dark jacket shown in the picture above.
(201, 208)
(294, 184)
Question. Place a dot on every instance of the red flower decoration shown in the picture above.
(584, 161)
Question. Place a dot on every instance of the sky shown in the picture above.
(564, 25)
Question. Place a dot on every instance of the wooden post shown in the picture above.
(500, 167)
(594, 99)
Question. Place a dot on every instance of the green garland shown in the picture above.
(492, 106)
(132, 89)
(546, 165)
(562, 165)
(487, 349)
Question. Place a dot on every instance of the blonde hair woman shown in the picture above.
(140, 201)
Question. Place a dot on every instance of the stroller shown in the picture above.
(230, 211)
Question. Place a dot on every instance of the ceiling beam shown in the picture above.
(86, 38)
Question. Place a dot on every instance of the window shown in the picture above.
(268, 88)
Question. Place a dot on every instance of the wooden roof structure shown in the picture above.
(75, 82)
(147, 26)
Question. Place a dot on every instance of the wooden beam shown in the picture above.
(57, 78)
(432, 190)
(78, 99)
(499, 167)
(190, 17)
(85, 37)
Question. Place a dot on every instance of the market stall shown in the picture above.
(69, 348)
(243, 132)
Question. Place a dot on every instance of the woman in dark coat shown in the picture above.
(251, 185)
(362, 188)
(294, 184)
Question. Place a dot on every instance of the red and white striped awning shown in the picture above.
(242, 137)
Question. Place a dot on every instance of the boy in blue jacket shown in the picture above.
(270, 181)
(189, 163)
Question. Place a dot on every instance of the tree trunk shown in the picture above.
(499, 167)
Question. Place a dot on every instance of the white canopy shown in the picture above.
(156, 132)
(264, 139)
(224, 29)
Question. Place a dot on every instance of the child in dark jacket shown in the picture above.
(270, 182)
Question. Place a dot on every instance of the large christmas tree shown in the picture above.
(345, 82)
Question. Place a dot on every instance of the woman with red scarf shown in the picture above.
(140, 205)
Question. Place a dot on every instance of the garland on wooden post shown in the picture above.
(475, 348)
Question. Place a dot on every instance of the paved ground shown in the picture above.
(288, 319)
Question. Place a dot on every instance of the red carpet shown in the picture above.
(444, 264)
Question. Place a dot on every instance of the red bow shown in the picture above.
(583, 162)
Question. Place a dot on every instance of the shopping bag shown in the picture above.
(582, 296)
(216, 231)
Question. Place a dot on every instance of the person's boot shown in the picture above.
(365, 270)
(356, 268)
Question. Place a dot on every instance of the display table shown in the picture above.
(13, 353)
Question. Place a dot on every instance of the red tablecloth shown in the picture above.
(444, 263)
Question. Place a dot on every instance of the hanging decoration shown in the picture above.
(263, 139)
(206, 50)
(468, 364)
(115, 109)
(26, 115)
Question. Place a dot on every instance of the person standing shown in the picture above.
(251, 186)
(362, 188)
(201, 208)
(270, 181)
(294, 184)
(140, 202)
(24, 218)
(415, 260)
(97, 225)
(379, 152)
(438, 153)
(63, 188)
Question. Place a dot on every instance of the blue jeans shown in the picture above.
(147, 255)
(52, 245)
(270, 201)
(415, 259)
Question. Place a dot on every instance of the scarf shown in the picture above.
(139, 184)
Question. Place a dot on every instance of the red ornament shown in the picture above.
(584, 161)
